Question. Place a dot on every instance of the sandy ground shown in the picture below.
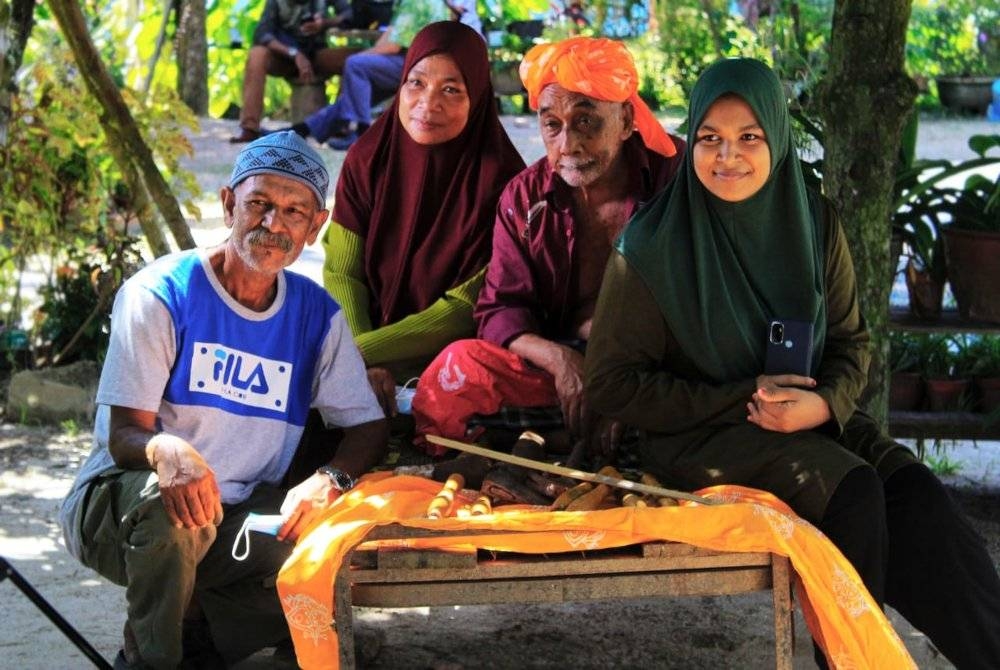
(37, 466)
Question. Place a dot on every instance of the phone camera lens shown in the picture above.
(777, 332)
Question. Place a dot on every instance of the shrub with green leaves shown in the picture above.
(984, 355)
(958, 37)
(62, 199)
(904, 355)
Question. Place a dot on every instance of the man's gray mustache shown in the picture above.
(260, 236)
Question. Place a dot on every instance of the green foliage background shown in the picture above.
(61, 194)
(64, 211)
(944, 36)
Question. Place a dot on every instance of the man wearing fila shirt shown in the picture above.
(216, 357)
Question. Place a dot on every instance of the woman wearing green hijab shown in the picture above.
(678, 344)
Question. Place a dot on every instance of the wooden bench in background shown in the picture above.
(393, 577)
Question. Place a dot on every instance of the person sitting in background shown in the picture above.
(374, 74)
(553, 233)
(290, 42)
(415, 201)
(677, 349)
(215, 359)
(366, 15)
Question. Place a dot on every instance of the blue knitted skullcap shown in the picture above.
(284, 154)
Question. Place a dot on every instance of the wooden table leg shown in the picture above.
(781, 591)
(343, 614)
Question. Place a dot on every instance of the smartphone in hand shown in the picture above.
(789, 348)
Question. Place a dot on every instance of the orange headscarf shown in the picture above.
(598, 68)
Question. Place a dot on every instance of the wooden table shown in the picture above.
(415, 578)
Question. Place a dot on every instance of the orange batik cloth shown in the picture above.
(841, 615)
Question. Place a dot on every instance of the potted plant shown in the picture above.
(972, 240)
(946, 381)
(984, 350)
(918, 222)
(920, 209)
(906, 387)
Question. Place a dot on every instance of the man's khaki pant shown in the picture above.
(129, 539)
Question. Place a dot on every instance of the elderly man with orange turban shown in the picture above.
(606, 154)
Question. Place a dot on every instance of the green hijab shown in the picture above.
(720, 271)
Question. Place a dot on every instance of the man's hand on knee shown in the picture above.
(188, 488)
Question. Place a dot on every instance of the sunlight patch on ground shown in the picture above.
(383, 614)
(33, 481)
(27, 548)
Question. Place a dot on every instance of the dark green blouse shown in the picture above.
(696, 431)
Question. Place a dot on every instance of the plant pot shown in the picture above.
(946, 395)
(926, 294)
(966, 94)
(974, 271)
(906, 391)
(988, 390)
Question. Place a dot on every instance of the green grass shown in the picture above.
(70, 427)
(942, 465)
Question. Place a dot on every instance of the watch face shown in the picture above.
(340, 479)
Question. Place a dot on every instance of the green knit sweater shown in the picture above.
(420, 335)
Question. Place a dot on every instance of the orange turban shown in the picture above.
(598, 68)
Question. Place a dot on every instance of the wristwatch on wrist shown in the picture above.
(340, 479)
(292, 52)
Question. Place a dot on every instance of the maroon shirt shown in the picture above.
(529, 278)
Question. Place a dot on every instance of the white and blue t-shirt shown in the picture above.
(234, 383)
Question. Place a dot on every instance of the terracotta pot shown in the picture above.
(925, 294)
(974, 272)
(946, 395)
(906, 391)
(988, 390)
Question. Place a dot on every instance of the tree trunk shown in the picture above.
(191, 47)
(864, 100)
(16, 20)
(124, 140)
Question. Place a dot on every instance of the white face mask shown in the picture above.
(262, 523)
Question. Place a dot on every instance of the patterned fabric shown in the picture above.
(283, 154)
(474, 377)
(598, 68)
(849, 626)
